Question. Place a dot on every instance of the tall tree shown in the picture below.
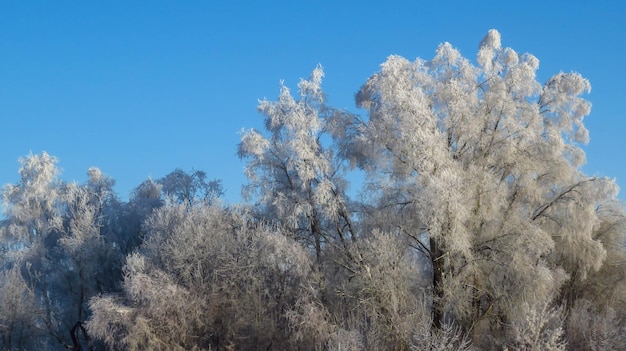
(299, 183)
(481, 166)
(32, 206)
(63, 241)
(296, 180)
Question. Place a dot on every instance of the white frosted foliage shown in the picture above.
(294, 177)
(484, 160)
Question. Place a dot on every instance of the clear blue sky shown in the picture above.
(138, 88)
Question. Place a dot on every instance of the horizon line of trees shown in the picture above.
(474, 229)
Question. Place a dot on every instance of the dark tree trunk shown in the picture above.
(74, 335)
(436, 257)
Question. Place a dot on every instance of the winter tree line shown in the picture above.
(474, 228)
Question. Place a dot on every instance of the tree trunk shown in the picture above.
(436, 257)
(74, 335)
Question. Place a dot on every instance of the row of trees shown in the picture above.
(64, 243)
(474, 229)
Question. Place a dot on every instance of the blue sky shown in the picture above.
(139, 88)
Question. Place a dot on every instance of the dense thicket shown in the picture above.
(474, 228)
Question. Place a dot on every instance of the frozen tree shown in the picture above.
(367, 284)
(90, 262)
(597, 315)
(33, 210)
(592, 328)
(32, 205)
(62, 242)
(188, 187)
(144, 199)
(295, 179)
(205, 278)
(479, 166)
(383, 300)
(147, 196)
(299, 184)
(21, 324)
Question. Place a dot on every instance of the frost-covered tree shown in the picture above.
(33, 210)
(205, 278)
(21, 319)
(64, 243)
(88, 261)
(189, 187)
(62, 240)
(295, 179)
(480, 166)
(144, 199)
(31, 207)
(596, 328)
(368, 287)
